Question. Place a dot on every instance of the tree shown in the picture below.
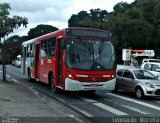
(12, 47)
(76, 18)
(98, 15)
(136, 26)
(7, 23)
(40, 30)
(121, 7)
(95, 18)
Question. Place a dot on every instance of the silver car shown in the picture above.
(141, 82)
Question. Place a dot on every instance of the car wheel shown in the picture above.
(139, 93)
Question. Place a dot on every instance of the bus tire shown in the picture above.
(52, 84)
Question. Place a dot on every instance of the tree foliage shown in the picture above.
(12, 47)
(40, 30)
(96, 18)
(7, 23)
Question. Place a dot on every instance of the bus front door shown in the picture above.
(60, 63)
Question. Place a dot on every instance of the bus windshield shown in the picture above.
(90, 54)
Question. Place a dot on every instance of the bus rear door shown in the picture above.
(37, 61)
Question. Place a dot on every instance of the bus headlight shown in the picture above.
(70, 76)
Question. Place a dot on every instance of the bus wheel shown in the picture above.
(52, 84)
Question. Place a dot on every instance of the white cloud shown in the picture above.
(38, 5)
(54, 12)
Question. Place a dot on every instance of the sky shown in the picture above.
(54, 12)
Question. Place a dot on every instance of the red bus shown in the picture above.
(71, 59)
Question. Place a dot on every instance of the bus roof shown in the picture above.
(60, 32)
(28, 42)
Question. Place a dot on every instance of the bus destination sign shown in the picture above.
(88, 33)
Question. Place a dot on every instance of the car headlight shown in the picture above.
(149, 85)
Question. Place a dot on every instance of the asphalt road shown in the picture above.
(101, 107)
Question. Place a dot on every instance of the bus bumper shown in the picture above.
(74, 85)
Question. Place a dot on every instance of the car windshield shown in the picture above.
(141, 74)
(90, 54)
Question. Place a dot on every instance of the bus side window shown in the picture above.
(32, 50)
(43, 51)
(51, 47)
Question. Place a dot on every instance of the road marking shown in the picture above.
(14, 80)
(134, 109)
(105, 107)
(89, 100)
(8, 76)
(110, 109)
(135, 101)
(82, 111)
(70, 115)
(108, 100)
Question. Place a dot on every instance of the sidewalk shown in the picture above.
(20, 102)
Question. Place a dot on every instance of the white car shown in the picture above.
(18, 61)
(152, 67)
(151, 60)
